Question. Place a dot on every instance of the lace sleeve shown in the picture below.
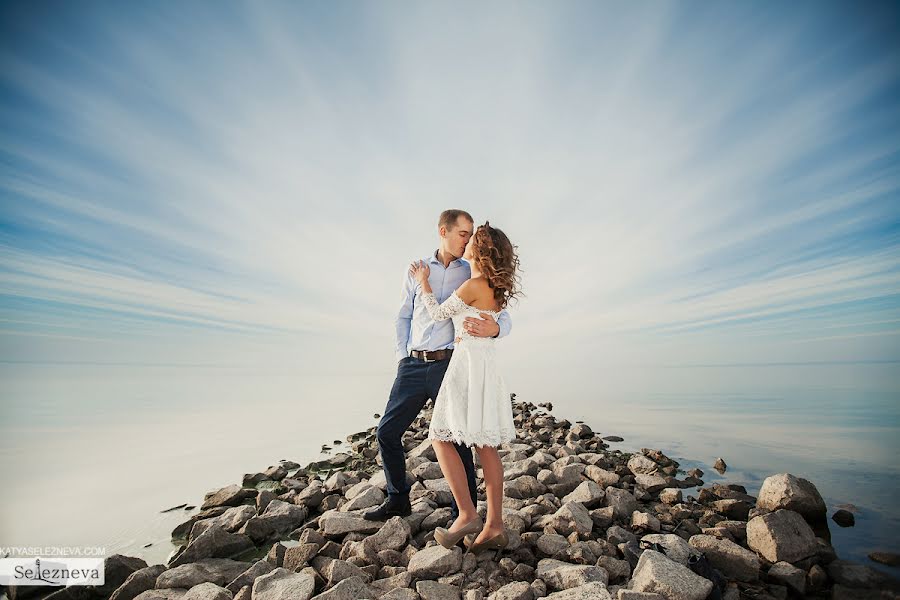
(441, 312)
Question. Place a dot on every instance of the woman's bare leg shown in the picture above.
(493, 482)
(455, 474)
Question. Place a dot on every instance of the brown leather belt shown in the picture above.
(431, 355)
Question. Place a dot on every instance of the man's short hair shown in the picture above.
(449, 218)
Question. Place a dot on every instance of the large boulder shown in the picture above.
(231, 495)
(791, 493)
(587, 493)
(337, 523)
(219, 571)
(735, 562)
(435, 561)
(561, 575)
(781, 536)
(657, 573)
(138, 582)
(215, 542)
(282, 584)
(589, 591)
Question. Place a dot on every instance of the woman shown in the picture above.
(473, 406)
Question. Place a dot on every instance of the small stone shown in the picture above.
(670, 496)
(886, 558)
(844, 518)
(644, 521)
(720, 465)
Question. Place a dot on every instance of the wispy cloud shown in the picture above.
(677, 177)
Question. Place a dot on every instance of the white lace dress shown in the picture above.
(473, 406)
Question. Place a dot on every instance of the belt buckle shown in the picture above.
(425, 357)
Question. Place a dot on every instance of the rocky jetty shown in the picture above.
(585, 521)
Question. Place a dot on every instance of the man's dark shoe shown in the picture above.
(394, 506)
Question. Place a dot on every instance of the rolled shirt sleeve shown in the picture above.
(505, 323)
(403, 322)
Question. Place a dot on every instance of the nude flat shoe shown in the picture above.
(498, 542)
(448, 540)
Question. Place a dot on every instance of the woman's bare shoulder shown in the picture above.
(478, 293)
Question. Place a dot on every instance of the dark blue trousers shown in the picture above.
(416, 382)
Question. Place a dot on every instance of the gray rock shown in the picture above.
(166, 594)
(622, 501)
(353, 588)
(792, 493)
(591, 591)
(435, 561)
(231, 495)
(386, 584)
(640, 464)
(517, 469)
(676, 548)
(789, 575)
(371, 496)
(339, 570)
(735, 562)
(573, 517)
(658, 574)
(856, 575)
(260, 567)
(616, 568)
(781, 536)
(432, 590)
(281, 584)
(644, 521)
(525, 486)
(424, 450)
(215, 542)
(339, 523)
(720, 465)
(400, 594)
(670, 496)
(428, 470)
(219, 571)
(587, 493)
(551, 543)
(601, 477)
(207, 591)
(138, 582)
(517, 590)
(391, 536)
(231, 520)
(625, 594)
(651, 483)
(561, 575)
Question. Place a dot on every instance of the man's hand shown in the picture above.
(486, 326)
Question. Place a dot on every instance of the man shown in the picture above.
(424, 348)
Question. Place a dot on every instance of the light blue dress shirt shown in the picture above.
(416, 330)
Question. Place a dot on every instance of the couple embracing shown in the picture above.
(453, 309)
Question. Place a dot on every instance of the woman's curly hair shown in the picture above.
(496, 258)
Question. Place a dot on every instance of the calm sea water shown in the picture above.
(90, 454)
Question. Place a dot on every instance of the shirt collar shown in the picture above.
(433, 259)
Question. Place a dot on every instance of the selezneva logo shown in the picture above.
(51, 571)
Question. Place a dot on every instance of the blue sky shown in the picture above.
(229, 182)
